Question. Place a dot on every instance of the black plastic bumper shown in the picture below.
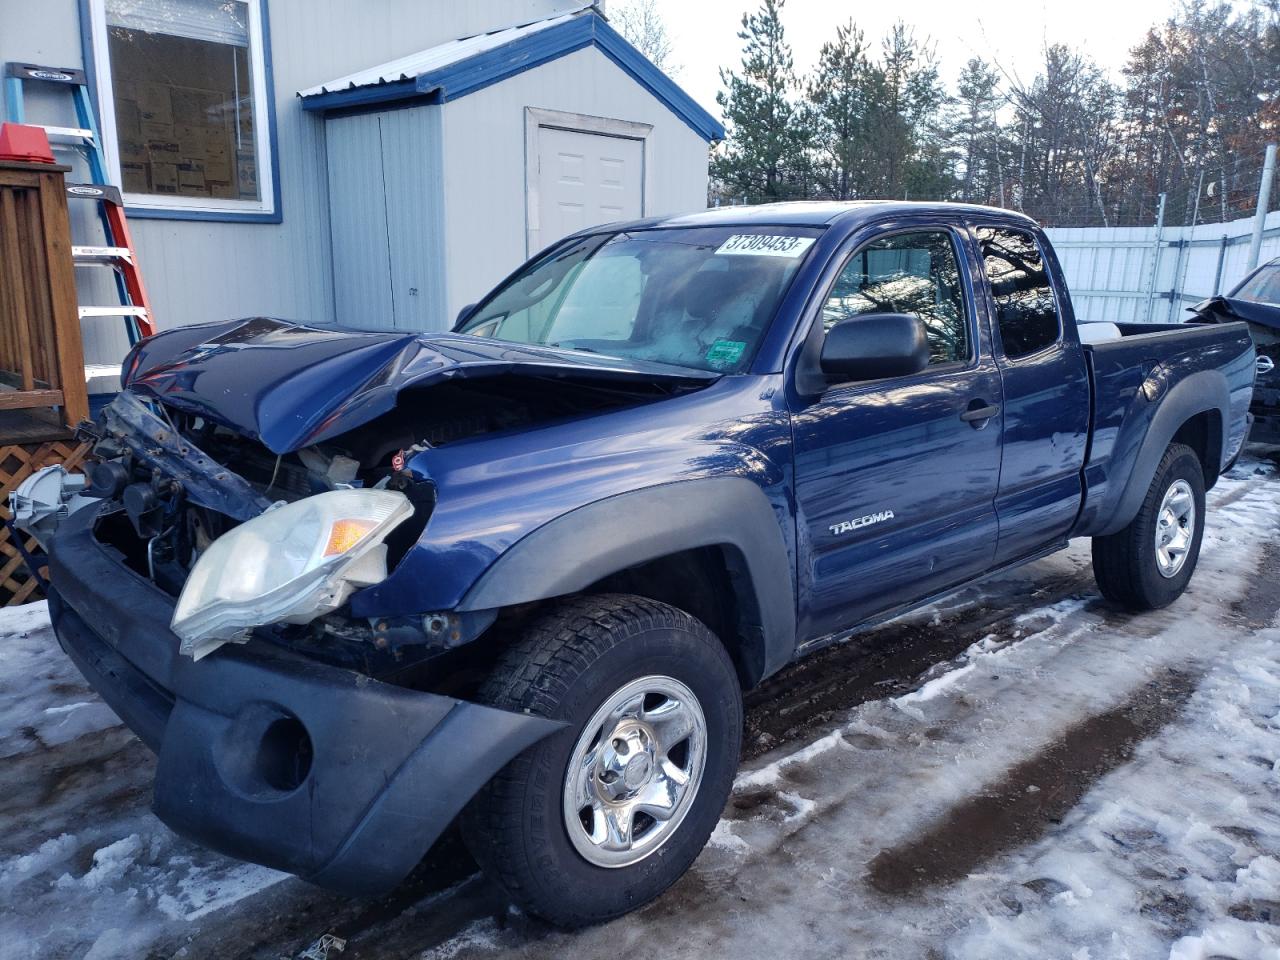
(1266, 425)
(271, 757)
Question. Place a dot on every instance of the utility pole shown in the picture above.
(1184, 256)
(1155, 260)
(1264, 201)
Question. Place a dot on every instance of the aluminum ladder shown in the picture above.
(118, 252)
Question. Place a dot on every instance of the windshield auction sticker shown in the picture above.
(764, 245)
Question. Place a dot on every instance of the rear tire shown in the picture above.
(1149, 563)
(629, 676)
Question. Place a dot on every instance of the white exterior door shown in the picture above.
(584, 179)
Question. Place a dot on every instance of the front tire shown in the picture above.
(604, 816)
(1149, 563)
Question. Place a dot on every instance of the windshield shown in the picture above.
(1262, 287)
(700, 297)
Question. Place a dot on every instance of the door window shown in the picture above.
(1026, 312)
(914, 273)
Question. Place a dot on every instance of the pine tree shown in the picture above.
(839, 102)
(914, 142)
(977, 132)
(764, 157)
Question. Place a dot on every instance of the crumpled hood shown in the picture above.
(1232, 308)
(290, 386)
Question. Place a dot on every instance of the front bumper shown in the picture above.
(268, 756)
(1266, 423)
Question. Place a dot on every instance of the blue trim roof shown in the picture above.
(492, 66)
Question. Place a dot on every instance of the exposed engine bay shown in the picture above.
(176, 483)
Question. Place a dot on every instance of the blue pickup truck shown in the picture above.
(352, 586)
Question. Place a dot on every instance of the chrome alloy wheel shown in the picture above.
(1175, 526)
(635, 771)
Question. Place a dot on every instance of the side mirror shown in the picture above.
(875, 346)
(463, 316)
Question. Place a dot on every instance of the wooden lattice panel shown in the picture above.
(17, 462)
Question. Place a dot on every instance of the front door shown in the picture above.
(896, 479)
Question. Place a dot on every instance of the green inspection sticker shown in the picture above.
(724, 353)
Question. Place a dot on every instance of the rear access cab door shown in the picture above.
(1045, 429)
(895, 479)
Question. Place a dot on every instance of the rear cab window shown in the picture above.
(1026, 308)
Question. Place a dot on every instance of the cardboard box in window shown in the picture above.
(217, 144)
(217, 168)
(128, 120)
(223, 190)
(247, 178)
(164, 177)
(133, 151)
(191, 179)
(154, 130)
(190, 139)
(154, 102)
(166, 151)
(134, 176)
(190, 106)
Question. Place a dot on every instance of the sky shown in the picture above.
(704, 32)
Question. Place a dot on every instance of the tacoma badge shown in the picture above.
(847, 526)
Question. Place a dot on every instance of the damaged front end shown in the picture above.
(283, 549)
(262, 473)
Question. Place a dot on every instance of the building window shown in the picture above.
(182, 88)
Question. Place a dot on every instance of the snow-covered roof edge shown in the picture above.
(456, 68)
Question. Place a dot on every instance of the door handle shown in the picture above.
(976, 415)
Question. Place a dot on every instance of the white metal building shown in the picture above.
(457, 139)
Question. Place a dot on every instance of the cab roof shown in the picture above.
(817, 213)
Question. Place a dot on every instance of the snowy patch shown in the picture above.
(936, 686)
(1169, 846)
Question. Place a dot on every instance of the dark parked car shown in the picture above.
(1256, 301)
(349, 585)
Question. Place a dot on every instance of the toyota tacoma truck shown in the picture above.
(353, 586)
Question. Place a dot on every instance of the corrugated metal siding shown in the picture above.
(1109, 270)
(484, 161)
(203, 271)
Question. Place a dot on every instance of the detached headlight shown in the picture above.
(290, 564)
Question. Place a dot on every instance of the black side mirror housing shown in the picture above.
(875, 346)
(463, 316)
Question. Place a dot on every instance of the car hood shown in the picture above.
(1233, 308)
(290, 385)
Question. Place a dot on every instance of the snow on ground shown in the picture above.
(1078, 783)
(85, 869)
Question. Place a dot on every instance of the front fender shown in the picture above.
(576, 550)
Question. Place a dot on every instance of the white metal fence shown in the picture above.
(1136, 274)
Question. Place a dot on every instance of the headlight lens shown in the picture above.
(290, 564)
